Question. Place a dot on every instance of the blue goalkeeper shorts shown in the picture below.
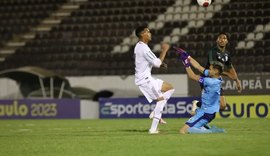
(200, 119)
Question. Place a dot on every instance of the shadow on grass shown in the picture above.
(135, 130)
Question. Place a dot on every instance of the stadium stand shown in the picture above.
(18, 17)
(97, 38)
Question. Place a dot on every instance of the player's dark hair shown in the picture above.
(219, 66)
(139, 30)
(223, 33)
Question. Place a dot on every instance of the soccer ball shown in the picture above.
(204, 3)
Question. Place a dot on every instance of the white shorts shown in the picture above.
(152, 89)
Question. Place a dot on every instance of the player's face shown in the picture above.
(147, 34)
(222, 40)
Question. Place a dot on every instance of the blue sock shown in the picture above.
(194, 130)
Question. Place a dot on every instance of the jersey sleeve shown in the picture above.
(206, 72)
(201, 80)
(151, 57)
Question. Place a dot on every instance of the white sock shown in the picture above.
(154, 125)
(168, 94)
(157, 114)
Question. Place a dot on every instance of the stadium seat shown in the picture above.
(98, 28)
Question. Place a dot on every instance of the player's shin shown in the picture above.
(157, 114)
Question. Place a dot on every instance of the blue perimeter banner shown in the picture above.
(40, 109)
(140, 108)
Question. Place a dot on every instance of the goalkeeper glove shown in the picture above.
(185, 61)
(181, 52)
(184, 56)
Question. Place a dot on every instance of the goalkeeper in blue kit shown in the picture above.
(211, 82)
(220, 54)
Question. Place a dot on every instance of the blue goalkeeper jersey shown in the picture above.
(211, 93)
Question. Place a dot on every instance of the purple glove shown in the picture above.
(185, 61)
(181, 52)
(184, 56)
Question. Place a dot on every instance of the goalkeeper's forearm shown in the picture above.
(191, 74)
(196, 65)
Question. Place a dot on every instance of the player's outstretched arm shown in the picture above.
(193, 62)
(192, 75)
(196, 65)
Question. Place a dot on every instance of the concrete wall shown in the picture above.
(125, 87)
(89, 109)
(121, 86)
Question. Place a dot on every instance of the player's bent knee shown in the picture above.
(166, 86)
(170, 87)
(160, 98)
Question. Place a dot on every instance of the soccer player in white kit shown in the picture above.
(152, 88)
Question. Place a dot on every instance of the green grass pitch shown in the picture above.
(129, 137)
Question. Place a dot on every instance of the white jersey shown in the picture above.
(145, 59)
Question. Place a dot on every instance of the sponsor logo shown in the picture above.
(238, 107)
(21, 110)
(246, 110)
(38, 109)
(119, 110)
